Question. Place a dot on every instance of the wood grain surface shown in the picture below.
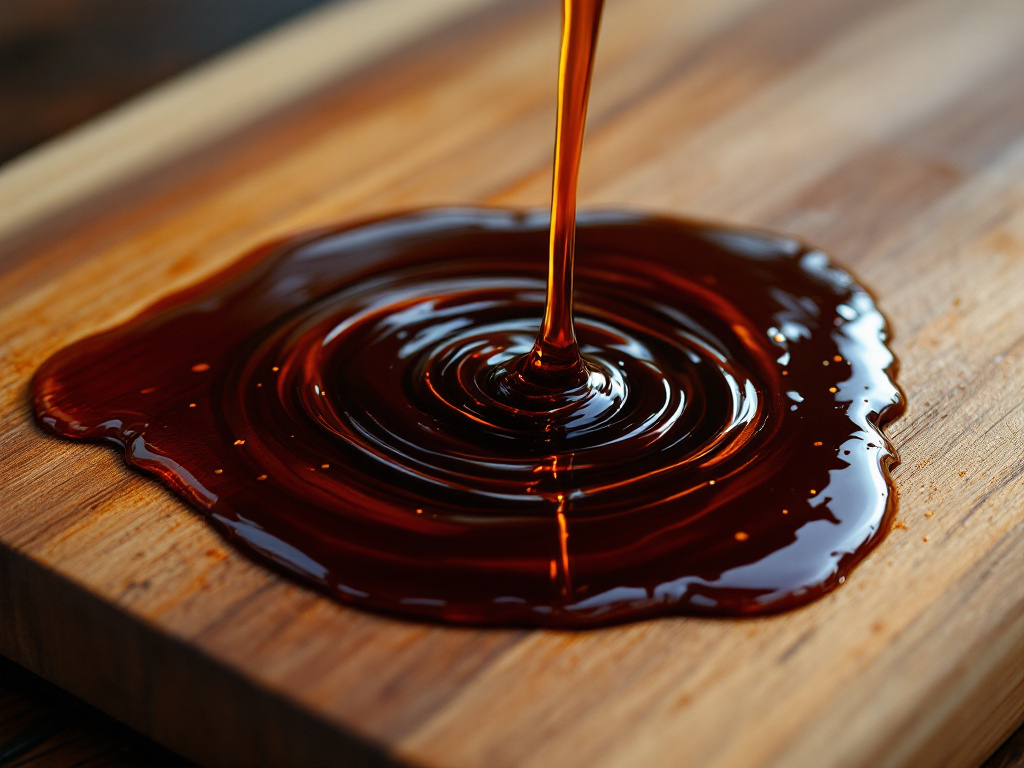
(890, 133)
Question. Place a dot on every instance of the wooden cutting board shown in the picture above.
(891, 133)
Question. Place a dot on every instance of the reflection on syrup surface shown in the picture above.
(350, 405)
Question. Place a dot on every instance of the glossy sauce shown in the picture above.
(372, 409)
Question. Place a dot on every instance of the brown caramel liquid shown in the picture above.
(372, 409)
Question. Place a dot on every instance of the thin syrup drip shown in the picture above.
(555, 360)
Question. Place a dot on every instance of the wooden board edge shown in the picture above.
(965, 733)
(210, 715)
(211, 101)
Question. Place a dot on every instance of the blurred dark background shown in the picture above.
(63, 61)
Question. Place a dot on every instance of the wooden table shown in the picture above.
(44, 727)
(891, 133)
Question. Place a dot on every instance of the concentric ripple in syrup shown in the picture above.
(352, 405)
